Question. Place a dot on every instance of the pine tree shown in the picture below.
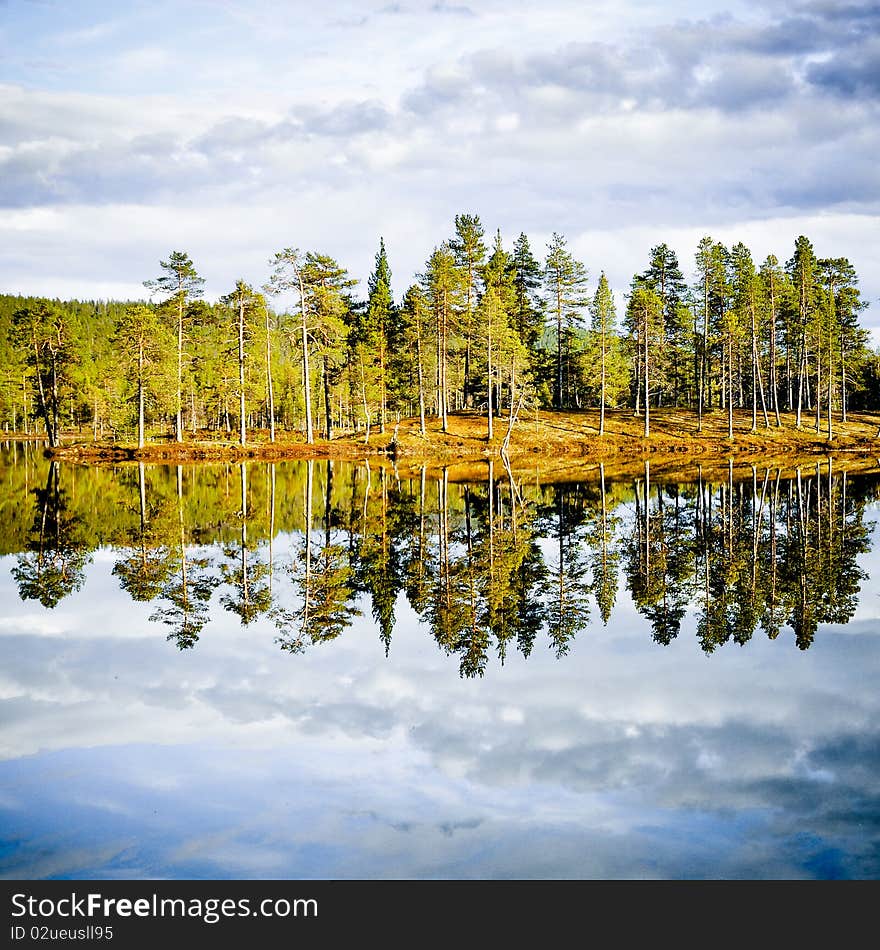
(664, 276)
(645, 318)
(326, 285)
(772, 281)
(746, 289)
(145, 344)
(496, 307)
(244, 304)
(802, 270)
(44, 339)
(414, 324)
(287, 275)
(442, 285)
(838, 279)
(179, 284)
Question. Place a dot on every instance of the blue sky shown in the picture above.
(232, 129)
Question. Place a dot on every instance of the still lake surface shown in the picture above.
(329, 670)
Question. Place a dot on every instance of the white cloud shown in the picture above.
(596, 130)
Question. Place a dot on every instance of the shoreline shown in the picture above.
(550, 442)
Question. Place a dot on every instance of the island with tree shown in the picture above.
(490, 351)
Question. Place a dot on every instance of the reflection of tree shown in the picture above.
(799, 567)
(53, 567)
(418, 565)
(452, 603)
(187, 593)
(323, 583)
(246, 577)
(477, 582)
(378, 570)
(512, 569)
(772, 609)
(149, 560)
(605, 560)
(568, 605)
(760, 552)
(821, 574)
(472, 639)
(660, 562)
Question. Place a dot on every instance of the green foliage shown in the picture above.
(783, 338)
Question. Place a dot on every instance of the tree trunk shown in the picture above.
(774, 385)
(241, 410)
(326, 379)
(178, 419)
(704, 344)
(730, 386)
(830, 376)
(382, 399)
(307, 382)
(364, 400)
(489, 413)
(54, 407)
(602, 390)
(647, 389)
(558, 346)
(141, 393)
(421, 380)
(443, 363)
(802, 359)
(270, 393)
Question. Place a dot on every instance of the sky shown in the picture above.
(233, 128)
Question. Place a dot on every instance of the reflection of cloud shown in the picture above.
(624, 759)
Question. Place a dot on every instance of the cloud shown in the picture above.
(451, 9)
(87, 35)
(850, 75)
(693, 123)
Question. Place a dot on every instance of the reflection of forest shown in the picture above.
(489, 566)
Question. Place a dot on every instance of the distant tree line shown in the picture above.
(485, 328)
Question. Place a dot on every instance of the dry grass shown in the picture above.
(563, 445)
(554, 442)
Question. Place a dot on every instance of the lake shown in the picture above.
(329, 670)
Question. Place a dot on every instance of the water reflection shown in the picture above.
(598, 742)
(488, 566)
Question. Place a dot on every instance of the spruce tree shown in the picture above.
(470, 252)
(527, 279)
(604, 330)
(379, 324)
(564, 283)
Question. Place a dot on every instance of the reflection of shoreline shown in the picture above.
(489, 566)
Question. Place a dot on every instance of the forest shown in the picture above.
(487, 328)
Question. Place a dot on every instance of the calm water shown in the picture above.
(316, 670)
